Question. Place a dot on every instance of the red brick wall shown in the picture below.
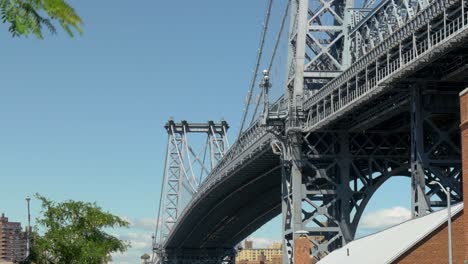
(302, 247)
(434, 249)
(464, 134)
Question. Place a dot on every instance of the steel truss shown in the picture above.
(330, 176)
(439, 26)
(384, 20)
(186, 169)
(340, 172)
(318, 37)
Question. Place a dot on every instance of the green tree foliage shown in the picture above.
(26, 17)
(73, 233)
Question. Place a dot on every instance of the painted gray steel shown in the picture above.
(370, 94)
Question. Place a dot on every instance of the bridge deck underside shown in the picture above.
(250, 196)
(235, 207)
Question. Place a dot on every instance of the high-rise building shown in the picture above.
(12, 241)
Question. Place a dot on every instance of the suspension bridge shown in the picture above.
(370, 92)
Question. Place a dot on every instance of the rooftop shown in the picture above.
(387, 245)
(464, 92)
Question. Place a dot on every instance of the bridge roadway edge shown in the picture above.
(234, 188)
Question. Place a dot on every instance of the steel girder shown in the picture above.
(384, 20)
(435, 149)
(434, 30)
(318, 41)
(340, 172)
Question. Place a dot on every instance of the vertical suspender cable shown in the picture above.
(257, 66)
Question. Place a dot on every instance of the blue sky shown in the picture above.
(83, 118)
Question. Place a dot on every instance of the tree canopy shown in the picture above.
(74, 233)
(30, 17)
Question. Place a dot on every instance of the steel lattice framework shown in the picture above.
(371, 93)
(185, 169)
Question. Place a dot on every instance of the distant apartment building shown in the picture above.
(248, 244)
(250, 255)
(12, 241)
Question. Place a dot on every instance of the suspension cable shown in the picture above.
(257, 66)
(278, 37)
(273, 55)
(161, 198)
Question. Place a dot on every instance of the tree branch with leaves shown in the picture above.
(30, 17)
(74, 232)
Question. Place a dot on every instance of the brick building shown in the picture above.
(418, 241)
(12, 241)
(464, 135)
(250, 255)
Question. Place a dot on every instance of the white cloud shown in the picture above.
(139, 235)
(385, 218)
(145, 224)
(141, 243)
(137, 240)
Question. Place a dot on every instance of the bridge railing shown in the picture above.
(255, 138)
(248, 138)
(335, 96)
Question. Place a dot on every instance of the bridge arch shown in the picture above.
(370, 190)
(394, 192)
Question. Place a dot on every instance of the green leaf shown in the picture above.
(73, 232)
(28, 17)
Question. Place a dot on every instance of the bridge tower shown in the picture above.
(330, 174)
(186, 167)
(318, 46)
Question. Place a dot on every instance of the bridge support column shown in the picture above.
(316, 194)
(339, 172)
(292, 195)
(420, 204)
(435, 148)
(326, 204)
